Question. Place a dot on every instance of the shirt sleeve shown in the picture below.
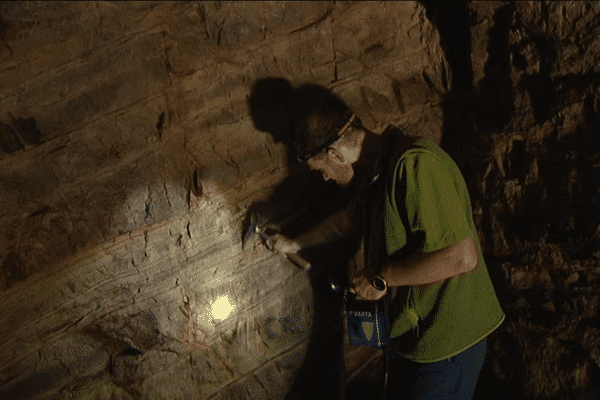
(435, 200)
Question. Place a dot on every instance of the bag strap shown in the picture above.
(395, 144)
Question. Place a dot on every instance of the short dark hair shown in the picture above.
(321, 115)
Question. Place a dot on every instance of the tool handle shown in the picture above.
(298, 260)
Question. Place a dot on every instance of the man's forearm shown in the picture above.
(433, 267)
(335, 227)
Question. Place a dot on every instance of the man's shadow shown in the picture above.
(276, 108)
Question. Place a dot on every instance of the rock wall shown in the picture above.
(130, 152)
(129, 156)
(524, 128)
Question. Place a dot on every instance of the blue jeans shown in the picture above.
(454, 378)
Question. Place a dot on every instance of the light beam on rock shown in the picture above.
(221, 308)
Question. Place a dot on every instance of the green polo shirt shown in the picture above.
(426, 207)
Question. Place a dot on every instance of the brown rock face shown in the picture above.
(129, 156)
(134, 137)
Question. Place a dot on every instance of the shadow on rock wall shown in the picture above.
(276, 108)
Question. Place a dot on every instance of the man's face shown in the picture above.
(330, 168)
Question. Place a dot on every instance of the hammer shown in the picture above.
(261, 228)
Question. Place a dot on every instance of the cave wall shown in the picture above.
(128, 160)
(525, 130)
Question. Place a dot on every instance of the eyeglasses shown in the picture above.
(329, 140)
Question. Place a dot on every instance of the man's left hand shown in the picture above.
(364, 290)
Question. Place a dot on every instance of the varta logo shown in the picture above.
(360, 313)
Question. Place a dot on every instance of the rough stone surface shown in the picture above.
(128, 160)
(129, 157)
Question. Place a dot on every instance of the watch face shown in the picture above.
(378, 283)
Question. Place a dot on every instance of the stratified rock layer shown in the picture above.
(128, 158)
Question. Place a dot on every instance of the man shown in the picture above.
(420, 248)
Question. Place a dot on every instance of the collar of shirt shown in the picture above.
(383, 154)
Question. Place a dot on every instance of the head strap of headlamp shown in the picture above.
(329, 140)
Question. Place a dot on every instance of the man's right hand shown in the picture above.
(283, 244)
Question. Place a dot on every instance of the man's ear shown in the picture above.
(336, 155)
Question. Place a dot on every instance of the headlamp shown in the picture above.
(329, 140)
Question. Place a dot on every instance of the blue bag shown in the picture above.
(368, 322)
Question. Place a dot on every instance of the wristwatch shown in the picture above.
(378, 282)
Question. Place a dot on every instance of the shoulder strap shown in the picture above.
(375, 248)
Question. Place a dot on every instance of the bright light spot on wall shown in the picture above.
(221, 308)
